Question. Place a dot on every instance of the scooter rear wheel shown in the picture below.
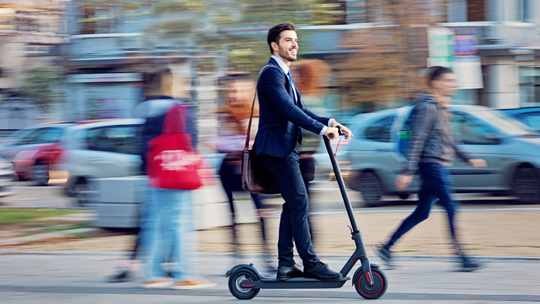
(375, 291)
(237, 290)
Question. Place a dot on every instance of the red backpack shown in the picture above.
(172, 162)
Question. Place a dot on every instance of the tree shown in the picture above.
(386, 61)
(39, 85)
(211, 23)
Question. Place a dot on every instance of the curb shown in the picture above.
(257, 255)
(42, 236)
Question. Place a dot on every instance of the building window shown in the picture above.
(528, 10)
(89, 21)
(516, 10)
(361, 11)
(527, 86)
(476, 10)
(537, 85)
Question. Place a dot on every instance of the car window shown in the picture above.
(471, 130)
(49, 135)
(380, 130)
(505, 124)
(532, 120)
(117, 139)
(16, 136)
(30, 138)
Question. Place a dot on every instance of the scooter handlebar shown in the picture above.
(341, 132)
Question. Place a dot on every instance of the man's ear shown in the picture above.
(275, 46)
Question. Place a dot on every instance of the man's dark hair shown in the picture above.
(436, 72)
(275, 33)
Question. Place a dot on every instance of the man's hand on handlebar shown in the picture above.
(344, 130)
(331, 133)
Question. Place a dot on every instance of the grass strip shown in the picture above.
(25, 216)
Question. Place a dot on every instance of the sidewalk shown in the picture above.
(483, 233)
(78, 277)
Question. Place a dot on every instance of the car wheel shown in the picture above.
(403, 196)
(525, 185)
(84, 192)
(40, 173)
(371, 188)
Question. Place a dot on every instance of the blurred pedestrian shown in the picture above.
(282, 115)
(431, 150)
(233, 119)
(311, 78)
(167, 233)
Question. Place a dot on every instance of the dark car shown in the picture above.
(529, 116)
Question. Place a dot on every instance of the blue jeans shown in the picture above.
(436, 184)
(167, 235)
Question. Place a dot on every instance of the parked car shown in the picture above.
(7, 178)
(529, 116)
(101, 149)
(511, 149)
(35, 151)
(323, 165)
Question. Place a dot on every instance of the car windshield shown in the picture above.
(504, 123)
(15, 136)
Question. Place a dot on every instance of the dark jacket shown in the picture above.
(432, 140)
(280, 118)
(154, 110)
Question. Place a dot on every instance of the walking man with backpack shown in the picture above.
(430, 151)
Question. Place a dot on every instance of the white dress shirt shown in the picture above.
(286, 69)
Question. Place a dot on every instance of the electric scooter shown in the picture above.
(245, 281)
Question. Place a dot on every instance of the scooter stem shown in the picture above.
(339, 179)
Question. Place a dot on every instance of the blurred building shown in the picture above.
(493, 45)
(508, 36)
(31, 33)
(105, 47)
(113, 44)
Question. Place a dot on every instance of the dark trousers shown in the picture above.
(436, 184)
(307, 167)
(231, 179)
(295, 211)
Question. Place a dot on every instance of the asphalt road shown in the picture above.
(39, 277)
(326, 199)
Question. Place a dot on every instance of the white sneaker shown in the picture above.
(193, 284)
(162, 283)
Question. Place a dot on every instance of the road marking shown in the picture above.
(37, 187)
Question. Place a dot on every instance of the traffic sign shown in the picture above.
(464, 45)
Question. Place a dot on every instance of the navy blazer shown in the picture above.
(280, 118)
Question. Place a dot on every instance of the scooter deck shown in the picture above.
(296, 283)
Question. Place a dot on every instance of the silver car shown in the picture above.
(103, 149)
(511, 149)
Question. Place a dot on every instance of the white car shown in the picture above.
(7, 178)
(102, 149)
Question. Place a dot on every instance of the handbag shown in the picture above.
(255, 176)
(172, 162)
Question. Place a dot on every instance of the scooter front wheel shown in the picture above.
(375, 291)
(235, 287)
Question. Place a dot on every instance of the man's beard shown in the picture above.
(283, 54)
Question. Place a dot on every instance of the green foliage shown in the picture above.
(39, 85)
(208, 23)
(385, 64)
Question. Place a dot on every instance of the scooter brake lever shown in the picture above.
(350, 228)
